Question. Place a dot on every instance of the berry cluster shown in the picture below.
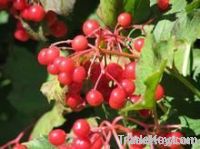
(113, 83)
(33, 13)
(86, 137)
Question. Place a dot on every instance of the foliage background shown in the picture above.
(22, 103)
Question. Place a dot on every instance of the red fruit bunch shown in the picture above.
(112, 81)
(24, 11)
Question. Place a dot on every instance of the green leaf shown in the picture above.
(196, 145)
(53, 91)
(182, 58)
(108, 11)
(193, 5)
(4, 16)
(48, 121)
(62, 7)
(190, 123)
(26, 76)
(140, 9)
(39, 143)
(148, 101)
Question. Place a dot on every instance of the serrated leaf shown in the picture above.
(137, 9)
(48, 121)
(108, 11)
(39, 143)
(53, 91)
(62, 7)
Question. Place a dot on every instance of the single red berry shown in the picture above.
(145, 113)
(160, 92)
(79, 74)
(57, 137)
(176, 135)
(138, 44)
(128, 86)
(117, 98)
(73, 100)
(19, 25)
(75, 87)
(4, 4)
(114, 70)
(65, 78)
(124, 19)
(25, 14)
(135, 98)
(58, 29)
(80, 43)
(21, 35)
(94, 98)
(51, 18)
(163, 4)
(36, 13)
(20, 4)
(67, 65)
(95, 72)
(52, 69)
(81, 128)
(81, 143)
(129, 71)
(19, 146)
(90, 26)
(97, 141)
(52, 54)
(42, 58)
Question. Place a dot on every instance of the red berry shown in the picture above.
(138, 44)
(81, 143)
(128, 86)
(124, 19)
(21, 35)
(58, 29)
(36, 13)
(97, 141)
(52, 69)
(94, 98)
(67, 65)
(175, 135)
(81, 128)
(19, 146)
(42, 58)
(90, 26)
(80, 43)
(52, 53)
(58, 60)
(117, 98)
(160, 92)
(135, 98)
(79, 74)
(73, 100)
(95, 72)
(65, 78)
(75, 87)
(145, 113)
(57, 137)
(20, 4)
(105, 90)
(25, 14)
(51, 17)
(4, 4)
(114, 70)
(163, 4)
(129, 71)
